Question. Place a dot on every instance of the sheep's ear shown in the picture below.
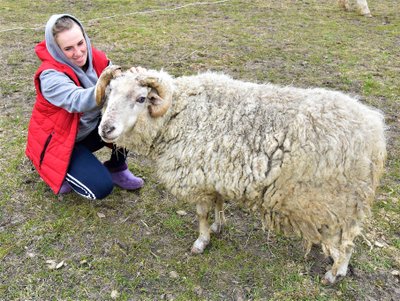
(155, 99)
(160, 98)
(157, 105)
(106, 76)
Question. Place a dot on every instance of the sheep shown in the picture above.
(309, 160)
(362, 7)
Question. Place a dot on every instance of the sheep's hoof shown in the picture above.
(199, 246)
(216, 228)
(328, 278)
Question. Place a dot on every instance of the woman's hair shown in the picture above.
(63, 24)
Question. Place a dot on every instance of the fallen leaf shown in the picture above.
(101, 215)
(379, 244)
(114, 294)
(60, 265)
(51, 264)
(173, 275)
(181, 212)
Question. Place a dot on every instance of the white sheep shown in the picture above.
(362, 6)
(309, 160)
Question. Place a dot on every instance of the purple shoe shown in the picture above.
(65, 188)
(126, 180)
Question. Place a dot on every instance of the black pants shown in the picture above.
(86, 174)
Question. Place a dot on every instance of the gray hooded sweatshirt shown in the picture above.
(61, 91)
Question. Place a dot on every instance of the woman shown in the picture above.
(62, 134)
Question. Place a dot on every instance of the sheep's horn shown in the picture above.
(160, 107)
(104, 80)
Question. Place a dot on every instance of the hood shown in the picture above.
(88, 78)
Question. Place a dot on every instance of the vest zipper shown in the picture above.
(45, 148)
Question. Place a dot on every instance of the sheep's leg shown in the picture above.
(203, 240)
(330, 276)
(341, 258)
(220, 220)
(363, 8)
(342, 267)
(338, 269)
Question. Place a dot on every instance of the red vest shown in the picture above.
(52, 130)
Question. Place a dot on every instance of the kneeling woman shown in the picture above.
(62, 134)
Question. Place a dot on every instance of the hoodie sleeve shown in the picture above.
(61, 91)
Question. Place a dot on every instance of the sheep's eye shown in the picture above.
(141, 99)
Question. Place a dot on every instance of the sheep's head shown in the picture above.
(130, 96)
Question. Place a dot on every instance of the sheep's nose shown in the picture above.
(107, 130)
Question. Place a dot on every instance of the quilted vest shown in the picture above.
(52, 130)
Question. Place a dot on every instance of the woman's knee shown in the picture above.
(104, 190)
(94, 188)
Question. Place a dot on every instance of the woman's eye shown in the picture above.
(141, 99)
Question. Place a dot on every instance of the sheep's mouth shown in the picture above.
(108, 140)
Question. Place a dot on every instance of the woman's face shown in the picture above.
(73, 45)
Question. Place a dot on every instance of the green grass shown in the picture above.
(131, 242)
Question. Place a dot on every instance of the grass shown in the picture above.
(135, 246)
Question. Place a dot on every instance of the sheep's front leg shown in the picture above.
(220, 220)
(203, 240)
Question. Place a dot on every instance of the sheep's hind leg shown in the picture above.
(341, 260)
(219, 220)
(344, 4)
(203, 240)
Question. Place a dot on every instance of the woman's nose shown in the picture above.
(77, 52)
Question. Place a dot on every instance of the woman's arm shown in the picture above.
(61, 91)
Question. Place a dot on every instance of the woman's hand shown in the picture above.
(137, 69)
